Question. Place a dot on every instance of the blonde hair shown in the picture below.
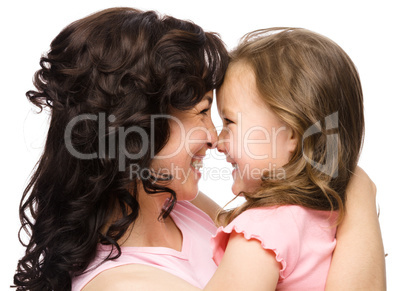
(306, 78)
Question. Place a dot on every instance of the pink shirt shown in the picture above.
(194, 263)
(302, 239)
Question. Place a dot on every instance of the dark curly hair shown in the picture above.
(128, 65)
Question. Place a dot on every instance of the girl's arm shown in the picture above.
(249, 269)
(245, 266)
(358, 261)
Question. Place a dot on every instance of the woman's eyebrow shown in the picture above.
(209, 99)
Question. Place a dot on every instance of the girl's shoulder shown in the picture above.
(267, 224)
(297, 215)
(283, 230)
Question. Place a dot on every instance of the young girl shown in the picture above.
(292, 108)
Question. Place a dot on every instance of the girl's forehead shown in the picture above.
(240, 76)
(239, 86)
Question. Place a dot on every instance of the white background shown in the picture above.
(369, 31)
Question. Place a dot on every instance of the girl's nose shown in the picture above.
(220, 146)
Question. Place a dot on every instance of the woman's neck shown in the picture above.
(148, 230)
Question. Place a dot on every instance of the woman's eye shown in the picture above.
(205, 111)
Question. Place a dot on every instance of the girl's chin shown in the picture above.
(241, 187)
(236, 189)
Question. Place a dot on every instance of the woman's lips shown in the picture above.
(197, 162)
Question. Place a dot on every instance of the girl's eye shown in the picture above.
(228, 121)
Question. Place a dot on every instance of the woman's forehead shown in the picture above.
(209, 97)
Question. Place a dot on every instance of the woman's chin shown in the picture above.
(188, 195)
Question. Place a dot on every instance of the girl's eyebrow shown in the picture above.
(225, 112)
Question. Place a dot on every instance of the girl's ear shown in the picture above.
(292, 141)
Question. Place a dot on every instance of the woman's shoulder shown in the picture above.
(136, 277)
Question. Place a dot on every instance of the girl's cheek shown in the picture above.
(234, 146)
(235, 141)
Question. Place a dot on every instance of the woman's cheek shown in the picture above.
(195, 137)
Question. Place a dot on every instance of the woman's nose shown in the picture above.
(212, 136)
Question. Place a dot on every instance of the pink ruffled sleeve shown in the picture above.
(276, 228)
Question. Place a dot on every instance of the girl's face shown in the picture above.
(192, 133)
(253, 137)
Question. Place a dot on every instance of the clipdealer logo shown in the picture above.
(122, 133)
(331, 157)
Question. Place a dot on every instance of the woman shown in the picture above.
(130, 96)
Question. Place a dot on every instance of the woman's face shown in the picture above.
(192, 133)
